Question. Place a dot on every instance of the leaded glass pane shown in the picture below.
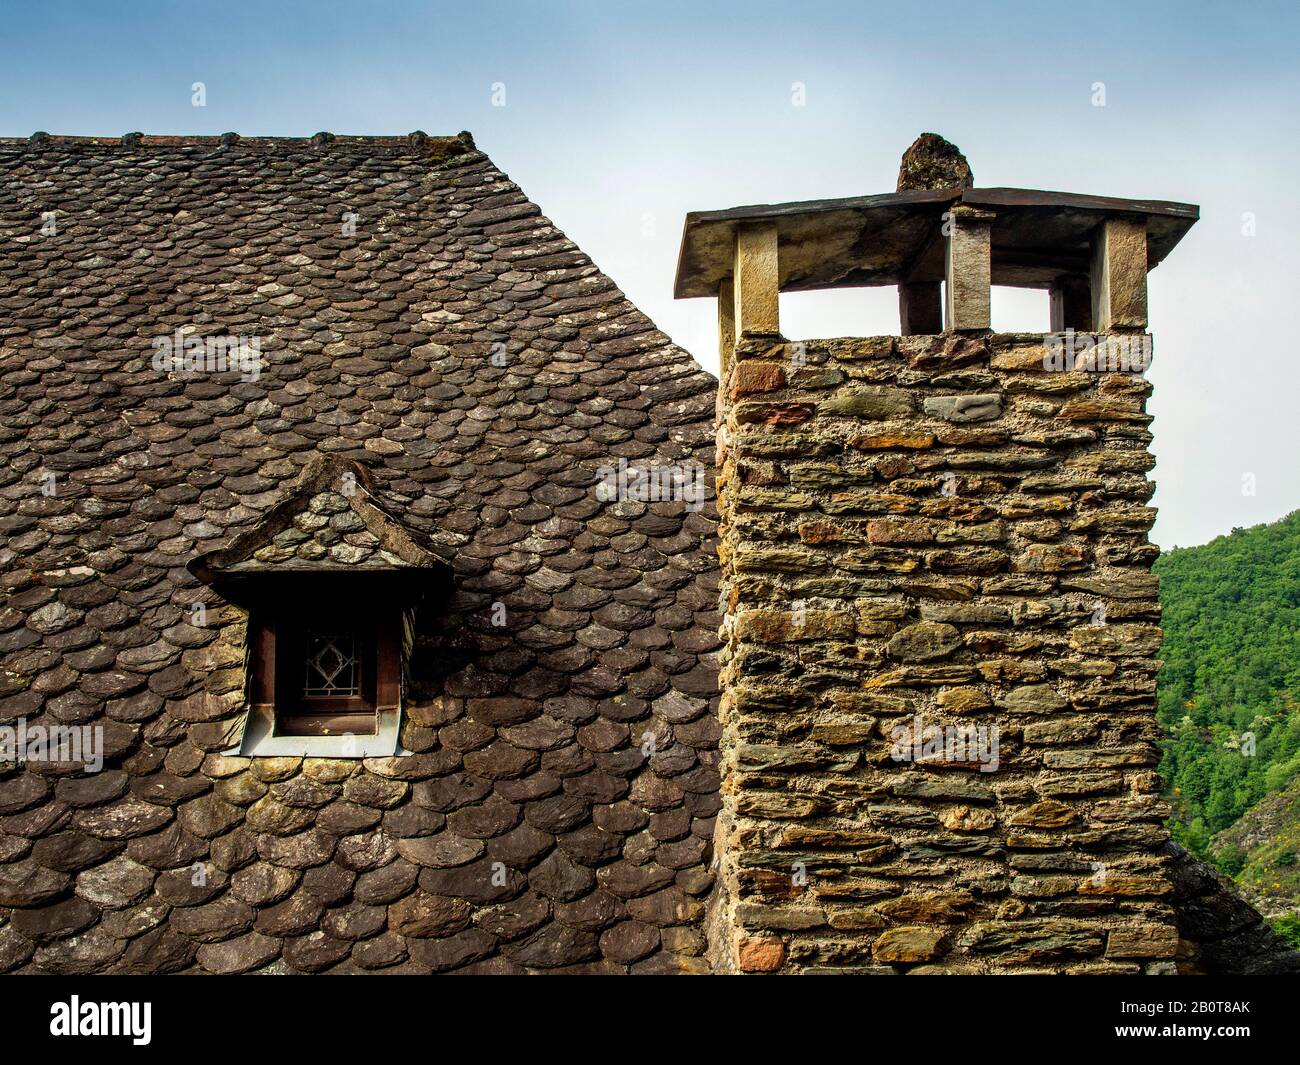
(332, 666)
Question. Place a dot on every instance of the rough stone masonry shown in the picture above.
(926, 540)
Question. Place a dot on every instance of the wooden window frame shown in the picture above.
(277, 649)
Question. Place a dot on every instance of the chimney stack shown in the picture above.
(940, 621)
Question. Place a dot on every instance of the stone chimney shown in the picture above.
(940, 621)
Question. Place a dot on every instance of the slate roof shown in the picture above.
(480, 368)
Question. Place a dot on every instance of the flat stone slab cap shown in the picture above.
(886, 239)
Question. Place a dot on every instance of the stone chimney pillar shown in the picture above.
(968, 281)
(940, 628)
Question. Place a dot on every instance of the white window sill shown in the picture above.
(260, 740)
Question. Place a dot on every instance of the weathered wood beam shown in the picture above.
(920, 308)
(1071, 304)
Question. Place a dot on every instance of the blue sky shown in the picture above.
(618, 119)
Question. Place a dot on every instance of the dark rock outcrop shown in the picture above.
(1222, 935)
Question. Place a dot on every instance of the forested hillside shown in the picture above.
(1230, 694)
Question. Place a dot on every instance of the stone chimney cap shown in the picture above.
(892, 238)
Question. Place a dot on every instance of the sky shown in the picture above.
(617, 119)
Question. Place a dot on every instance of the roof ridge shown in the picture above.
(417, 140)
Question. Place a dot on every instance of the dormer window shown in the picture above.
(330, 582)
(321, 678)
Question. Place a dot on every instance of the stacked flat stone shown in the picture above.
(328, 531)
(938, 527)
(557, 811)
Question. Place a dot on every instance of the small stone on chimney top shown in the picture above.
(934, 163)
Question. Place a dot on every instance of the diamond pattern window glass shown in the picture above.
(332, 666)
